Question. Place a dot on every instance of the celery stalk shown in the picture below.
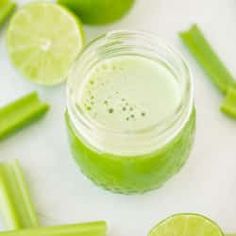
(207, 58)
(86, 229)
(229, 104)
(15, 202)
(20, 113)
(213, 66)
(6, 8)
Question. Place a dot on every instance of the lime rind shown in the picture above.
(185, 225)
(99, 12)
(6, 9)
(43, 41)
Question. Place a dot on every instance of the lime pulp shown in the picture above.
(43, 40)
(186, 225)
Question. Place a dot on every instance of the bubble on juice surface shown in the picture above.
(129, 93)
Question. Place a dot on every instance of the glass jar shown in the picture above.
(126, 160)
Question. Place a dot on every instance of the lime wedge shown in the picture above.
(43, 40)
(99, 12)
(186, 225)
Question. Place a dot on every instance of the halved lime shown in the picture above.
(98, 12)
(43, 40)
(187, 225)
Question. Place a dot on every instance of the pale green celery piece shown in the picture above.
(229, 104)
(16, 206)
(20, 113)
(86, 229)
(6, 9)
(201, 49)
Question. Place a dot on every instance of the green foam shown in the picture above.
(129, 93)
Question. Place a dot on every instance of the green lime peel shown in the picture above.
(15, 202)
(21, 113)
(87, 229)
(99, 12)
(217, 72)
(6, 9)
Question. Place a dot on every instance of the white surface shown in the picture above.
(207, 184)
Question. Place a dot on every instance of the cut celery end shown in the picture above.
(20, 113)
(16, 206)
(207, 58)
(228, 106)
(6, 9)
(86, 229)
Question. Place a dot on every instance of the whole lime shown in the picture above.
(98, 12)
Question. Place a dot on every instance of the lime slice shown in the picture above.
(43, 40)
(98, 12)
(186, 225)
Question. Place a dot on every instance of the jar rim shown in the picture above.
(179, 116)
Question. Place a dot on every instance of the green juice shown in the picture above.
(129, 96)
(129, 93)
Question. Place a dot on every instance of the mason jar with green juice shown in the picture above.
(130, 112)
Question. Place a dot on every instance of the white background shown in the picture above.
(207, 183)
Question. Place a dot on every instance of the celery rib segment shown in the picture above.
(86, 229)
(229, 103)
(20, 113)
(206, 56)
(16, 205)
(217, 72)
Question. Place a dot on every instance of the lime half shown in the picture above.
(99, 12)
(186, 225)
(43, 40)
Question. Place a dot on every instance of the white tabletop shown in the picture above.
(207, 183)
